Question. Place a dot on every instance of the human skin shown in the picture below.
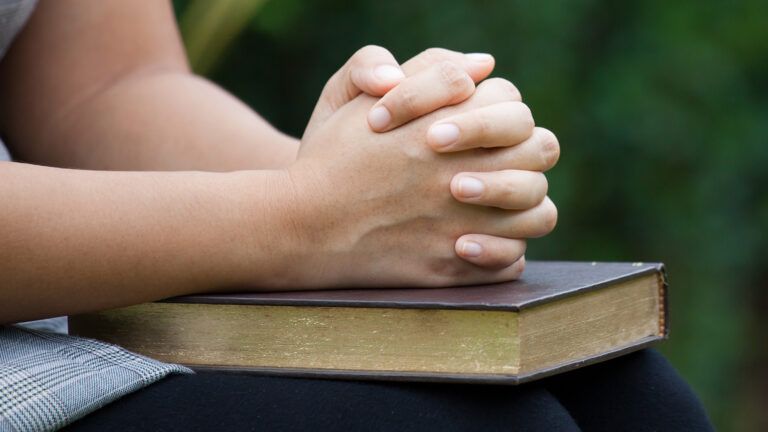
(401, 217)
(79, 240)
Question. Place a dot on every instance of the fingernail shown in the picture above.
(443, 134)
(479, 57)
(388, 73)
(471, 249)
(379, 117)
(470, 187)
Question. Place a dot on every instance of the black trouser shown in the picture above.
(637, 392)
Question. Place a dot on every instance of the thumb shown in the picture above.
(372, 70)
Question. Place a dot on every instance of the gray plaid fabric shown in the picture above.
(49, 380)
(54, 325)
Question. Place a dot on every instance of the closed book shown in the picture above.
(558, 316)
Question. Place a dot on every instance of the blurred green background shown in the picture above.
(661, 109)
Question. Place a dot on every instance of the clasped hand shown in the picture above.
(437, 182)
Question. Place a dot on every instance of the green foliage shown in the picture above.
(662, 113)
(209, 28)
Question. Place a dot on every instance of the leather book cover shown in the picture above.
(542, 282)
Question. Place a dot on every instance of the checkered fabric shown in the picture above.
(49, 380)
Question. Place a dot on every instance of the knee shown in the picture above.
(654, 381)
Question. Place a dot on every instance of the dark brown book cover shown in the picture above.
(542, 284)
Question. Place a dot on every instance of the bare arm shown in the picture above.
(77, 240)
(105, 85)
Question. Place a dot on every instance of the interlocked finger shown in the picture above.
(440, 85)
(477, 65)
(518, 224)
(489, 251)
(503, 124)
(508, 189)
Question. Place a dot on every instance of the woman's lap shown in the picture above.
(642, 390)
(636, 392)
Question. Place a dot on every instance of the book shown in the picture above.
(558, 316)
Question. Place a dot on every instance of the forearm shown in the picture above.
(77, 240)
(157, 120)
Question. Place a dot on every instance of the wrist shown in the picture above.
(264, 232)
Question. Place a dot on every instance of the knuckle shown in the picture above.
(535, 190)
(523, 191)
(408, 102)
(501, 195)
(503, 87)
(549, 147)
(454, 78)
(510, 193)
(525, 116)
(543, 187)
(518, 268)
(548, 216)
(522, 247)
(482, 125)
(445, 271)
